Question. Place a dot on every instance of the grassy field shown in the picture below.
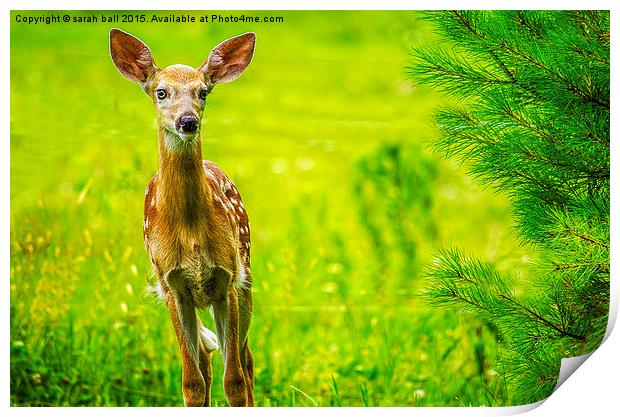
(327, 141)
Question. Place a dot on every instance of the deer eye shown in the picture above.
(203, 94)
(161, 94)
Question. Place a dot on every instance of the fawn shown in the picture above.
(196, 229)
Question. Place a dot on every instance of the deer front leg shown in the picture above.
(247, 362)
(183, 315)
(226, 314)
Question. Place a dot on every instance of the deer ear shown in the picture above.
(227, 60)
(131, 56)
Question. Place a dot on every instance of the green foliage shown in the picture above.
(394, 190)
(534, 123)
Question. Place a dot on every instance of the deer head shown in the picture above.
(179, 92)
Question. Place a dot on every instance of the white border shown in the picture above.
(594, 388)
(304, 5)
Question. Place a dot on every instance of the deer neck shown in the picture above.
(183, 195)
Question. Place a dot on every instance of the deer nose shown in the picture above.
(188, 124)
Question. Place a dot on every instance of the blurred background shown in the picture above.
(326, 140)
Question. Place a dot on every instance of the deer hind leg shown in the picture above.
(183, 315)
(226, 314)
(208, 343)
(247, 360)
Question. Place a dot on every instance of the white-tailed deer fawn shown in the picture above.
(196, 230)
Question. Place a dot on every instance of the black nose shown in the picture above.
(188, 124)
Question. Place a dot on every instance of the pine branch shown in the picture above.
(505, 46)
(536, 123)
(479, 35)
(460, 279)
(599, 266)
(588, 239)
(586, 18)
(541, 319)
(523, 20)
(570, 86)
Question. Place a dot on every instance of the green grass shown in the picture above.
(341, 227)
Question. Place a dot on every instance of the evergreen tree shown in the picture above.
(532, 122)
